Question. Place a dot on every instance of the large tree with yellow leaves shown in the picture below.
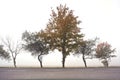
(62, 32)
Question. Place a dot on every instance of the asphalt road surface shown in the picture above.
(60, 74)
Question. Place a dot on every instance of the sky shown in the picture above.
(100, 18)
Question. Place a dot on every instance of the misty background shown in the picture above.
(100, 18)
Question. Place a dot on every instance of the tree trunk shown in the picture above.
(84, 60)
(40, 60)
(41, 64)
(63, 56)
(63, 61)
(14, 61)
(105, 63)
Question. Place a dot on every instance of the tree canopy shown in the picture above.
(4, 54)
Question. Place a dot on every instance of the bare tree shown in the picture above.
(12, 48)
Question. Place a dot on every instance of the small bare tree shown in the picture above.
(12, 48)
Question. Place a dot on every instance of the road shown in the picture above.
(60, 74)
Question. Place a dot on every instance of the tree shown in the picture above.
(12, 48)
(104, 53)
(35, 45)
(62, 32)
(86, 50)
(4, 54)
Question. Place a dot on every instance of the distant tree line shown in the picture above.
(63, 34)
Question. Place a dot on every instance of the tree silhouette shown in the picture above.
(4, 54)
(35, 45)
(104, 52)
(12, 48)
(62, 32)
(86, 50)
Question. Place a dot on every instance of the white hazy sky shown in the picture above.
(99, 18)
